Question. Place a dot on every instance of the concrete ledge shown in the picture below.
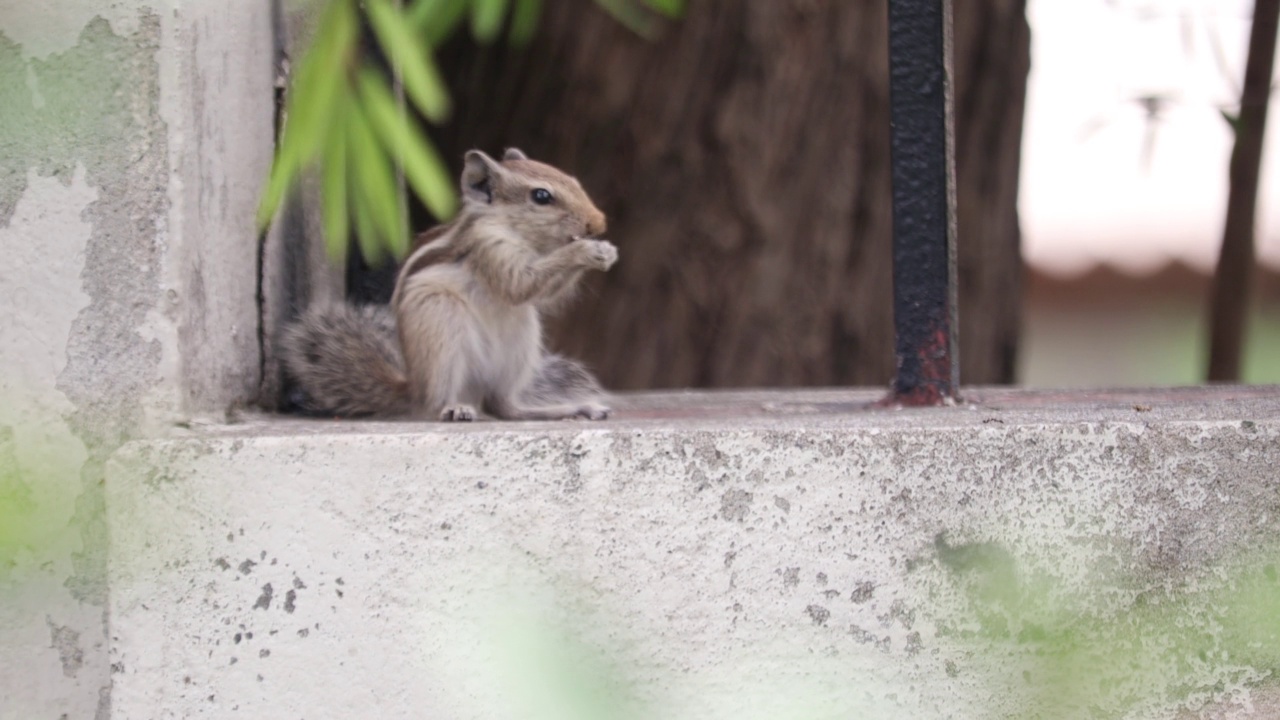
(735, 555)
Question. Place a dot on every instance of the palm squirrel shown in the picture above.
(463, 331)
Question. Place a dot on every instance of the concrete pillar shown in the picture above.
(134, 138)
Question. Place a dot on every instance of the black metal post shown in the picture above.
(924, 202)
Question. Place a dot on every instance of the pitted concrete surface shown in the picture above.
(726, 555)
(842, 408)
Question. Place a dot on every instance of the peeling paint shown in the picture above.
(115, 165)
(55, 26)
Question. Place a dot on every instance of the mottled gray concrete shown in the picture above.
(731, 555)
(134, 136)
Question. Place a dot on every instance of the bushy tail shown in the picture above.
(560, 380)
(345, 360)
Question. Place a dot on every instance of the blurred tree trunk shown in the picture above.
(743, 162)
(1233, 279)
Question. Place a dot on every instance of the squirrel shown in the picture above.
(463, 331)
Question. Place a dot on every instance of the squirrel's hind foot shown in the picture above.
(593, 412)
(458, 413)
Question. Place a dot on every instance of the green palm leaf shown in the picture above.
(423, 83)
(337, 222)
(377, 189)
(486, 18)
(524, 20)
(316, 89)
(348, 120)
(426, 172)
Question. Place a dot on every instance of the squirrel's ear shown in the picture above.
(514, 154)
(478, 175)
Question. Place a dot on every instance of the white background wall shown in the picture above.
(1089, 193)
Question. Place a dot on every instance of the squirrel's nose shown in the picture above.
(596, 224)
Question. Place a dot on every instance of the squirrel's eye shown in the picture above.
(542, 196)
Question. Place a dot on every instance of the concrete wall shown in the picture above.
(134, 136)
(750, 555)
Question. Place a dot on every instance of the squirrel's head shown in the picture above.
(546, 206)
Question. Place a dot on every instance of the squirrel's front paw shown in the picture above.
(599, 254)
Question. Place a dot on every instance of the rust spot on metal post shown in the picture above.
(927, 379)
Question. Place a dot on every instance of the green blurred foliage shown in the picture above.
(343, 118)
(19, 525)
(1170, 645)
(1037, 647)
(39, 465)
(553, 672)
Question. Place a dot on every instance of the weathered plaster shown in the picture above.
(55, 26)
(809, 559)
(44, 622)
(83, 158)
(173, 124)
(133, 139)
(111, 366)
(217, 99)
(48, 223)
